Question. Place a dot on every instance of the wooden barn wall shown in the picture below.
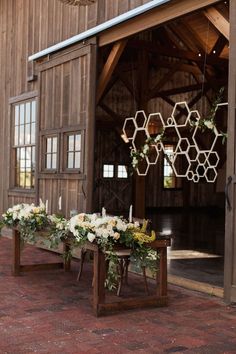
(26, 27)
(66, 104)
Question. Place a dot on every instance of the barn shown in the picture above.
(84, 83)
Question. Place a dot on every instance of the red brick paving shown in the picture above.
(49, 312)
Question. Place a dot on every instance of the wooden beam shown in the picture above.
(153, 18)
(180, 32)
(218, 20)
(219, 46)
(109, 67)
(110, 112)
(163, 80)
(177, 53)
(189, 68)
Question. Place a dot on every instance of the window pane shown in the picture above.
(70, 160)
(33, 111)
(71, 142)
(169, 179)
(48, 161)
(22, 179)
(122, 171)
(22, 114)
(27, 112)
(77, 142)
(16, 115)
(33, 158)
(22, 135)
(27, 134)
(33, 133)
(16, 140)
(49, 145)
(108, 171)
(77, 159)
(54, 144)
(54, 161)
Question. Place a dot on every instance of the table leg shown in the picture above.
(16, 252)
(67, 259)
(162, 289)
(99, 273)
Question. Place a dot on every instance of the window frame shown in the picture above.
(115, 175)
(44, 153)
(178, 181)
(64, 154)
(114, 170)
(117, 171)
(13, 103)
(61, 171)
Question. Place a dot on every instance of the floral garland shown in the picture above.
(209, 122)
(138, 156)
(28, 218)
(109, 232)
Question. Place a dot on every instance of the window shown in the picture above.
(62, 151)
(122, 171)
(51, 153)
(170, 181)
(73, 151)
(24, 117)
(108, 171)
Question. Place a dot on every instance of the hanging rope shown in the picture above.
(78, 2)
(205, 58)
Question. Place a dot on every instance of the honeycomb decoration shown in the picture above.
(198, 164)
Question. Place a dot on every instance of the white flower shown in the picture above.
(121, 225)
(145, 148)
(91, 237)
(209, 124)
(157, 138)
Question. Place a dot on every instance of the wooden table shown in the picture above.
(100, 306)
(17, 267)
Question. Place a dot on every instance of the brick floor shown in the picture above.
(49, 312)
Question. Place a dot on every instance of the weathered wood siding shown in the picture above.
(28, 26)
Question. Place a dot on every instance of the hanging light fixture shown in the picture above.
(79, 2)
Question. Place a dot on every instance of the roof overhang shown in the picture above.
(139, 19)
(98, 29)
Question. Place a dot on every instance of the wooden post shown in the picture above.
(16, 252)
(230, 228)
(139, 182)
(99, 280)
(162, 289)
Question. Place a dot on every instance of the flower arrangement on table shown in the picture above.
(28, 218)
(109, 232)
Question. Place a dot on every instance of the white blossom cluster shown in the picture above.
(24, 211)
(99, 227)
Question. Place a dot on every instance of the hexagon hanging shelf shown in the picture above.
(199, 163)
(79, 2)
